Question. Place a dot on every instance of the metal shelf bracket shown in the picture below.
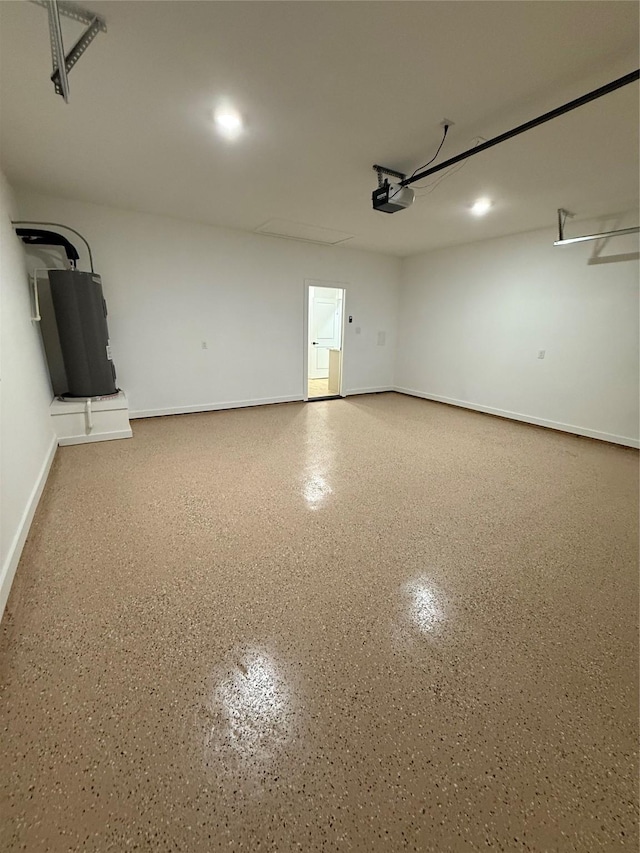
(563, 215)
(64, 62)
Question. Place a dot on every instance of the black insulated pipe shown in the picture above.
(522, 128)
(59, 225)
(38, 237)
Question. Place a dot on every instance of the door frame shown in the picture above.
(316, 282)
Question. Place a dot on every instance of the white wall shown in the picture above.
(27, 443)
(171, 284)
(473, 318)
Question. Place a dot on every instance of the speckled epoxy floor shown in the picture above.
(372, 624)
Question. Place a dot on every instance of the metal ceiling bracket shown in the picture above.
(565, 241)
(563, 215)
(63, 63)
(57, 50)
(382, 170)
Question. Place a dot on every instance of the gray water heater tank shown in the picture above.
(78, 339)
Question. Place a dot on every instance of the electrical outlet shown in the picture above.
(382, 337)
(204, 345)
(446, 122)
(358, 330)
(542, 353)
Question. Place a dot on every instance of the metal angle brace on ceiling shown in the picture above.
(565, 241)
(63, 63)
(382, 170)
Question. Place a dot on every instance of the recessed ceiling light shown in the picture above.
(481, 206)
(228, 122)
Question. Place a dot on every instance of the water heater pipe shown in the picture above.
(36, 299)
(58, 225)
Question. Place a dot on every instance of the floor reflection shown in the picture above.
(251, 709)
(320, 453)
(426, 605)
(316, 490)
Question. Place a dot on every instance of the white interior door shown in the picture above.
(325, 328)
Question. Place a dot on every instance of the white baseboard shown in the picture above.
(379, 389)
(15, 551)
(528, 419)
(241, 404)
(97, 436)
(213, 407)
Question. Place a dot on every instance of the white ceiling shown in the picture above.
(328, 89)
